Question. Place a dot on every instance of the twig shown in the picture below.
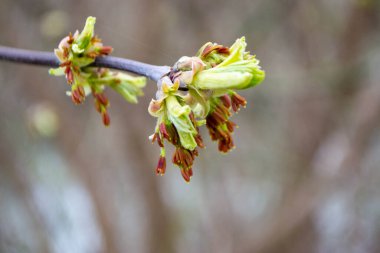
(153, 72)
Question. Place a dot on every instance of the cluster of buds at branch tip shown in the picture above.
(198, 90)
(201, 90)
(76, 53)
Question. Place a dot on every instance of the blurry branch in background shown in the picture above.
(336, 161)
(307, 196)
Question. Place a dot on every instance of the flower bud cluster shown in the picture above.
(76, 53)
(201, 90)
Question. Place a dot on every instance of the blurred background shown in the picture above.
(304, 177)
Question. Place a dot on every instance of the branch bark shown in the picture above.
(48, 59)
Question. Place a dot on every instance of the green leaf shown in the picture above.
(81, 43)
(57, 71)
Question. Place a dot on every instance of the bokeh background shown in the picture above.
(304, 177)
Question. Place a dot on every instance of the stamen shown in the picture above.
(237, 101)
(106, 119)
(161, 166)
(185, 174)
(226, 100)
(102, 99)
(164, 132)
(159, 141)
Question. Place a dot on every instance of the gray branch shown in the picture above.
(48, 59)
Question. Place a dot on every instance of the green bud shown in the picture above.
(200, 90)
(239, 75)
(179, 115)
(175, 108)
(199, 103)
(237, 51)
(81, 43)
(239, 70)
(57, 72)
(82, 61)
(130, 87)
(212, 54)
(76, 53)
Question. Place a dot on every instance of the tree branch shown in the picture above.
(48, 59)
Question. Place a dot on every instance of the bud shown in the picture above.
(213, 54)
(176, 124)
(76, 52)
(106, 50)
(129, 87)
(83, 40)
(201, 90)
(232, 68)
